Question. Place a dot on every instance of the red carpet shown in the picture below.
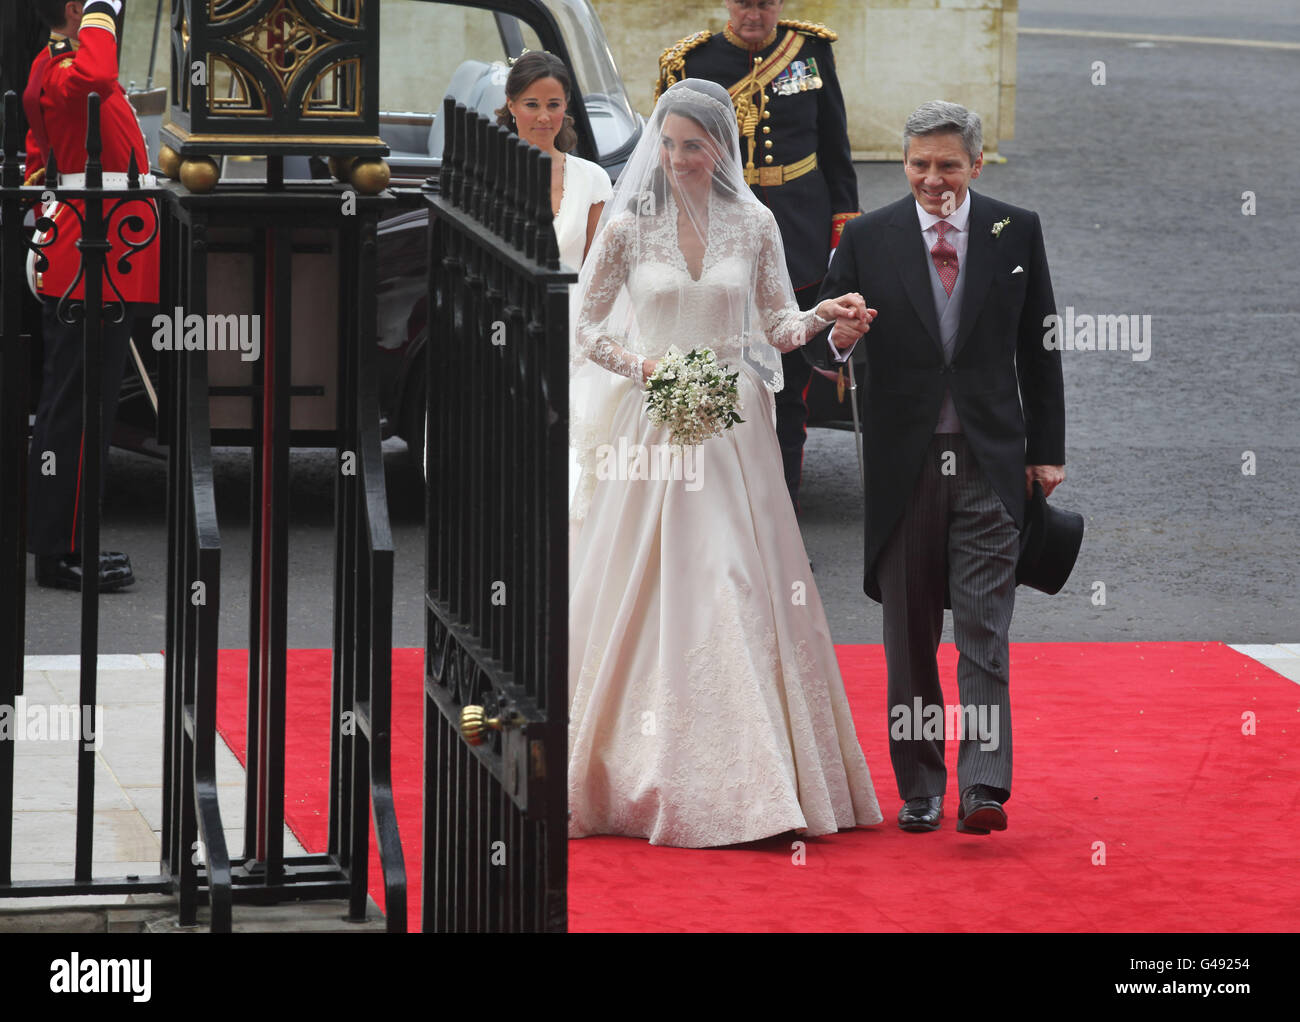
(307, 752)
(1137, 746)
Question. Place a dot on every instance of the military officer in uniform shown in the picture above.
(81, 58)
(794, 141)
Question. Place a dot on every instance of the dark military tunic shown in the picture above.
(795, 144)
(794, 136)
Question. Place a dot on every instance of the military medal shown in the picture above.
(800, 76)
(815, 79)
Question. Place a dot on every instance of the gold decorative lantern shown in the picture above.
(274, 78)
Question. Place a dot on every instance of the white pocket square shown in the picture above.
(1018, 269)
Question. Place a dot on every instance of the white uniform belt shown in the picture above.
(112, 179)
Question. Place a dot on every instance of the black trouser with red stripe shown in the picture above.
(792, 406)
(54, 491)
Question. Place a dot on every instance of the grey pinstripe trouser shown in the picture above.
(955, 530)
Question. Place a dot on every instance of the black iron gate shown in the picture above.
(259, 231)
(195, 863)
(495, 795)
(102, 213)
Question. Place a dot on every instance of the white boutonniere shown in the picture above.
(997, 227)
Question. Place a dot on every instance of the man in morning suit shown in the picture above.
(81, 58)
(795, 144)
(963, 409)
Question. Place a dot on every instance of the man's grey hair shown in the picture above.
(938, 116)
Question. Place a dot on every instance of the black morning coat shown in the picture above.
(1006, 384)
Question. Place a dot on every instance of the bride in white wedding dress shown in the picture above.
(706, 704)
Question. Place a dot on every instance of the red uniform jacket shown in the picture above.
(36, 141)
(63, 75)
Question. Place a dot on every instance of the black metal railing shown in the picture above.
(194, 841)
(495, 813)
(361, 757)
(100, 213)
(195, 863)
(259, 232)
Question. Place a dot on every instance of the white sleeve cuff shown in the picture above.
(837, 354)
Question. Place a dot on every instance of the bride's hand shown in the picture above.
(851, 315)
(648, 367)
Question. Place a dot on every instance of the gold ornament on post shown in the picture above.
(275, 78)
(169, 161)
(199, 174)
(369, 177)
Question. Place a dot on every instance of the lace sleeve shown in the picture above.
(593, 337)
(786, 325)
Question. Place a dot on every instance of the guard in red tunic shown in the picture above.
(81, 58)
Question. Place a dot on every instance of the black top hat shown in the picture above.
(1049, 544)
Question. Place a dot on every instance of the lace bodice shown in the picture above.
(741, 293)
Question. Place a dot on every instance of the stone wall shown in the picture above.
(892, 55)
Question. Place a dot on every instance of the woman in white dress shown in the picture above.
(706, 704)
(538, 91)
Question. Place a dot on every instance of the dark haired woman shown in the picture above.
(537, 98)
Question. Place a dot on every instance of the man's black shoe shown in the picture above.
(64, 572)
(980, 811)
(920, 814)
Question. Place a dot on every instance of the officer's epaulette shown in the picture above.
(61, 46)
(810, 28)
(672, 62)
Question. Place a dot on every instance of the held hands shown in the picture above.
(852, 318)
(1051, 476)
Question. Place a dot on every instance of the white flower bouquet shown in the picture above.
(694, 396)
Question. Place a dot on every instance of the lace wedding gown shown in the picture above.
(706, 704)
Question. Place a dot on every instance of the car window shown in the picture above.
(430, 50)
(424, 46)
(613, 121)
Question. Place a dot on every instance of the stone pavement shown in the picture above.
(1283, 658)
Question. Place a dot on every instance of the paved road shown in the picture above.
(1139, 183)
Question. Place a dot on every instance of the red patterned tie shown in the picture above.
(945, 257)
